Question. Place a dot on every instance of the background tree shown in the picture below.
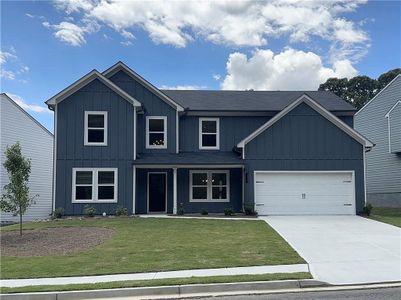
(360, 89)
(16, 198)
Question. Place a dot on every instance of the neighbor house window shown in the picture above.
(94, 185)
(209, 133)
(209, 186)
(156, 132)
(95, 128)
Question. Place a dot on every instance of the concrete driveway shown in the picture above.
(343, 249)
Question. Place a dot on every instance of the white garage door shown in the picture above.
(304, 193)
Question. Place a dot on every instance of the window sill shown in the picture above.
(94, 201)
(95, 144)
(210, 201)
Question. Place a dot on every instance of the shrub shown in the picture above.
(249, 209)
(228, 211)
(89, 211)
(58, 213)
(121, 211)
(180, 210)
(367, 209)
(204, 212)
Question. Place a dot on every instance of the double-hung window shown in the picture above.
(156, 132)
(95, 128)
(209, 133)
(94, 185)
(209, 186)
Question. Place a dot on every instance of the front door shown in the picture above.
(157, 192)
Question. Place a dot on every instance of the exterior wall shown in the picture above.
(71, 152)
(349, 120)
(303, 140)
(37, 144)
(153, 106)
(383, 169)
(232, 131)
(395, 129)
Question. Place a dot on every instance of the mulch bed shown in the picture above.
(52, 241)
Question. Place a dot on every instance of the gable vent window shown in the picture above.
(156, 132)
(209, 134)
(95, 128)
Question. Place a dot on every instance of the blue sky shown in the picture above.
(45, 46)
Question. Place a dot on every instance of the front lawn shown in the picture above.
(156, 244)
(387, 215)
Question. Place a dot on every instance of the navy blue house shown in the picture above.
(120, 141)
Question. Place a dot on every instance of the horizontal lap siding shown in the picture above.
(395, 129)
(72, 153)
(303, 140)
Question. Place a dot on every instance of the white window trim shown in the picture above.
(95, 185)
(86, 128)
(209, 186)
(164, 118)
(217, 147)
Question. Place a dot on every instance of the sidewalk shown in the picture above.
(156, 275)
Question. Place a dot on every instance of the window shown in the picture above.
(156, 132)
(209, 186)
(209, 133)
(94, 185)
(95, 128)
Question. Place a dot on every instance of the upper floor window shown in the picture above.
(95, 128)
(156, 132)
(209, 133)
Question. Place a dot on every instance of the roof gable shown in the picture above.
(120, 66)
(85, 80)
(318, 108)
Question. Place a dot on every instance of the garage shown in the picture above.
(304, 192)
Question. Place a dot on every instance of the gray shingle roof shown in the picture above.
(207, 100)
(192, 158)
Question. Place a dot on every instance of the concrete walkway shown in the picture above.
(343, 249)
(156, 275)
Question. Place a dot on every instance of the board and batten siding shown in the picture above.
(303, 140)
(36, 142)
(383, 168)
(152, 106)
(71, 152)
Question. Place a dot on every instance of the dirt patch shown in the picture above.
(52, 241)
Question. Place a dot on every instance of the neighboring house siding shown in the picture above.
(304, 140)
(71, 152)
(232, 131)
(395, 128)
(153, 106)
(383, 168)
(36, 144)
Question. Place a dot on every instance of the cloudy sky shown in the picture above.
(272, 45)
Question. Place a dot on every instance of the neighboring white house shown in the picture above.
(380, 121)
(16, 125)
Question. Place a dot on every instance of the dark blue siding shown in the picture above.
(304, 140)
(232, 131)
(349, 120)
(153, 106)
(71, 151)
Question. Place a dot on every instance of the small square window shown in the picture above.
(209, 134)
(156, 132)
(95, 128)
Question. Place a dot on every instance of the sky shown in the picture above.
(234, 45)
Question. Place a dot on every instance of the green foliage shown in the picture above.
(58, 213)
(121, 211)
(360, 89)
(367, 209)
(228, 211)
(16, 198)
(204, 212)
(89, 211)
(249, 209)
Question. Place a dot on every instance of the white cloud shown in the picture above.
(235, 23)
(29, 107)
(5, 56)
(216, 77)
(287, 70)
(126, 43)
(183, 87)
(30, 15)
(6, 74)
(11, 66)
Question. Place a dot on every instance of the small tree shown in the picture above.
(16, 198)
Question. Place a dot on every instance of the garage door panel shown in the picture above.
(292, 193)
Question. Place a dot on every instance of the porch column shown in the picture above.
(174, 191)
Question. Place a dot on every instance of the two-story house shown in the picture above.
(120, 141)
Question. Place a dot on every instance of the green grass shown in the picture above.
(387, 215)
(158, 282)
(158, 244)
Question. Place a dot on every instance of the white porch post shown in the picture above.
(174, 191)
(133, 189)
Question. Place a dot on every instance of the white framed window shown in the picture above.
(156, 132)
(98, 185)
(95, 128)
(209, 133)
(209, 186)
